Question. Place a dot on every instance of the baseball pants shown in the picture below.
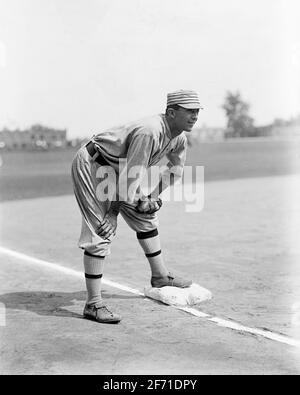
(93, 208)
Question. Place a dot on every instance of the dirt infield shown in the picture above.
(242, 246)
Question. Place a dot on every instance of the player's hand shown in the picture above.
(148, 205)
(108, 226)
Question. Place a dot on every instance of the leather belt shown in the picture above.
(95, 154)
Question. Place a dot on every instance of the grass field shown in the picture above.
(38, 174)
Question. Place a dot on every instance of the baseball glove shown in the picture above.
(149, 205)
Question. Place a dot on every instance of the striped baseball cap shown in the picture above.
(184, 98)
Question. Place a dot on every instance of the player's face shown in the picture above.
(185, 119)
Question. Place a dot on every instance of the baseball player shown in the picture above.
(115, 152)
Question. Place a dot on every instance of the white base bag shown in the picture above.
(192, 295)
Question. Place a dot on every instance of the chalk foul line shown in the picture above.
(197, 313)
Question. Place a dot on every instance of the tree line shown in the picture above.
(241, 124)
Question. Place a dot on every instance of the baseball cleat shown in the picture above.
(170, 281)
(100, 313)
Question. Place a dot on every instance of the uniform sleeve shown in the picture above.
(176, 162)
(138, 155)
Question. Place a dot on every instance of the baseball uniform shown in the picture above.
(141, 144)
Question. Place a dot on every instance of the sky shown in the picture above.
(90, 65)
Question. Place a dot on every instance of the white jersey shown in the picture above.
(143, 144)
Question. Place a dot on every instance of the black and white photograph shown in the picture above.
(149, 190)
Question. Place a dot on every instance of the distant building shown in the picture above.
(281, 128)
(37, 137)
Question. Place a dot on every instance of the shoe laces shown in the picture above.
(104, 307)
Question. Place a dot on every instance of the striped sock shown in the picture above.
(150, 242)
(93, 267)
